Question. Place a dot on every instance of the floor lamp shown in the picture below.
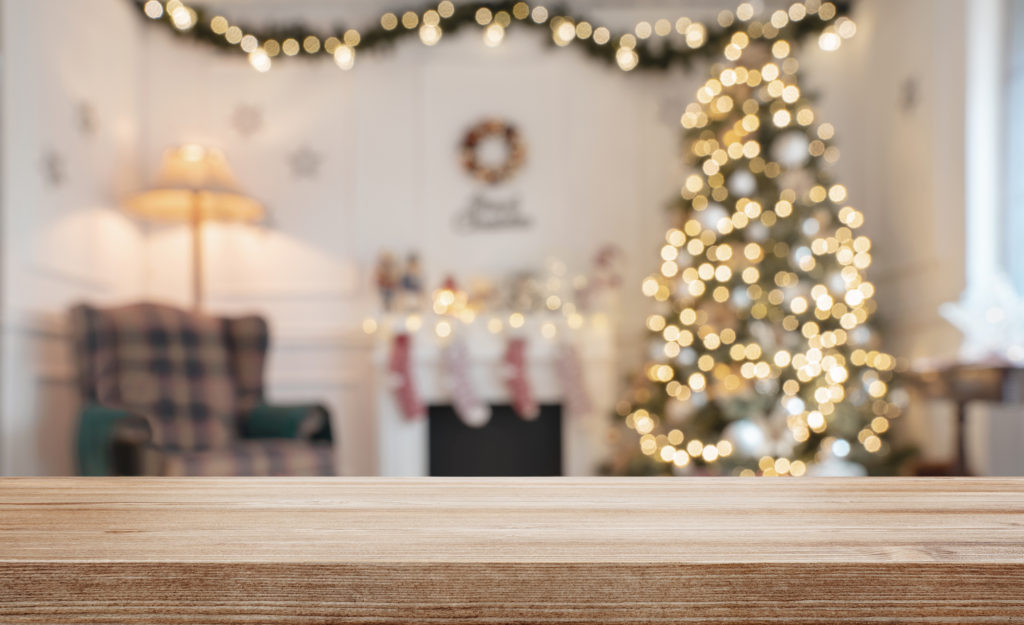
(195, 184)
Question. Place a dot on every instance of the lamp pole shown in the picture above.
(197, 253)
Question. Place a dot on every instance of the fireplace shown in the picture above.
(563, 442)
(506, 446)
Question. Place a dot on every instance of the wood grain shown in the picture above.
(601, 551)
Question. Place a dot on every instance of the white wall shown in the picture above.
(61, 240)
(895, 94)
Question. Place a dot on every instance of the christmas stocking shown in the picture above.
(570, 371)
(469, 408)
(401, 379)
(517, 382)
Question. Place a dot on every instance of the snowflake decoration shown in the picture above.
(305, 162)
(247, 120)
(54, 168)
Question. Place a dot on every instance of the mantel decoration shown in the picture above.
(762, 358)
(514, 151)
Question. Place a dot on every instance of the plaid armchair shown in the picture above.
(168, 392)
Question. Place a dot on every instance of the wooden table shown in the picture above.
(601, 551)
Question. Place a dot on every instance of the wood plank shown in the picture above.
(608, 551)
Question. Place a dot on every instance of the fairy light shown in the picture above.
(430, 34)
(153, 9)
(260, 60)
(494, 34)
(741, 26)
(344, 57)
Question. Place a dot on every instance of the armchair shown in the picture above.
(168, 392)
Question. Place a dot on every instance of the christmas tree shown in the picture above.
(762, 357)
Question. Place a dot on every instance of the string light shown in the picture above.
(345, 57)
(735, 29)
(153, 9)
(430, 34)
(494, 34)
(260, 60)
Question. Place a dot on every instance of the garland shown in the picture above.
(656, 47)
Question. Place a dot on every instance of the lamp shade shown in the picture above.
(195, 179)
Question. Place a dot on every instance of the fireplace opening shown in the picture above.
(506, 446)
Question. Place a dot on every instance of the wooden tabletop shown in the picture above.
(608, 551)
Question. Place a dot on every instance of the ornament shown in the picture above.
(401, 378)
(54, 169)
(387, 279)
(467, 404)
(687, 356)
(790, 149)
(492, 151)
(247, 120)
(742, 183)
(88, 123)
(305, 162)
(710, 216)
(757, 231)
(740, 298)
(517, 380)
(747, 438)
(656, 348)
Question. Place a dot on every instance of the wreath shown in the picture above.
(515, 151)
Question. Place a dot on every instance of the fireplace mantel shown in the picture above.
(402, 445)
(472, 551)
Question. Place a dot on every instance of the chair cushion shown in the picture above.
(261, 457)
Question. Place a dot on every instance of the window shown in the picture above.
(1013, 149)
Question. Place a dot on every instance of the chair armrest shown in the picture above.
(310, 421)
(100, 428)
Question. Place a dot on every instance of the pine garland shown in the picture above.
(655, 53)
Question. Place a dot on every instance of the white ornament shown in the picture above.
(756, 231)
(860, 336)
(836, 283)
(747, 438)
(740, 298)
(742, 183)
(656, 349)
(710, 216)
(790, 149)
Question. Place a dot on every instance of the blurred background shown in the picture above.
(442, 232)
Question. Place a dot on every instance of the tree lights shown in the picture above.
(761, 356)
